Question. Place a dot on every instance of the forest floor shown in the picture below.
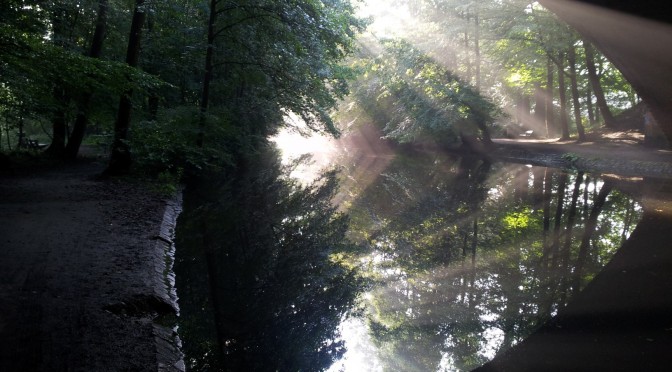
(82, 261)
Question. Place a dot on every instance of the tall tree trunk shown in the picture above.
(82, 120)
(597, 86)
(477, 50)
(58, 124)
(550, 114)
(120, 158)
(562, 95)
(207, 77)
(571, 60)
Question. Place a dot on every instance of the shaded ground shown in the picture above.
(81, 286)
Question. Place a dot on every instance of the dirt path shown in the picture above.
(79, 287)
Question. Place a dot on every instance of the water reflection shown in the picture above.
(471, 257)
(467, 258)
(261, 284)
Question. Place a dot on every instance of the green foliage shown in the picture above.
(420, 99)
(167, 145)
(285, 56)
(517, 220)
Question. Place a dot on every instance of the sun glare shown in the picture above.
(389, 20)
(293, 145)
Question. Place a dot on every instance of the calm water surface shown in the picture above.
(442, 263)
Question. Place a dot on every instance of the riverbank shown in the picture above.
(605, 156)
(83, 272)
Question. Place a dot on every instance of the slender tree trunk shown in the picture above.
(120, 159)
(82, 120)
(467, 57)
(59, 125)
(585, 198)
(571, 60)
(465, 244)
(597, 86)
(627, 221)
(207, 77)
(472, 272)
(590, 108)
(477, 50)
(550, 114)
(548, 190)
(540, 108)
(562, 95)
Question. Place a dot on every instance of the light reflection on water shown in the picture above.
(467, 257)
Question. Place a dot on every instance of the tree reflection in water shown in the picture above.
(261, 284)
(472, 257)
(467, 258)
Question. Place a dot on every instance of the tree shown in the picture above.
(264, 46)
(120, 155)
(421, 101)
(597, 86)
(562, 93)
(571, 60)
(82, 119)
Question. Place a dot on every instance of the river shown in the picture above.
(397, 261)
